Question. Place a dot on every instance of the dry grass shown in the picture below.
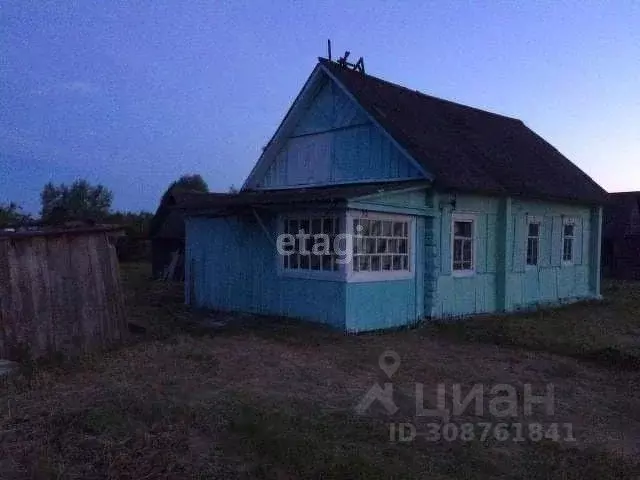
(607, 332)
(277, 401)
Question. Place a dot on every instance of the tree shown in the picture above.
(193, 182)
(11, 214)
(78, 201)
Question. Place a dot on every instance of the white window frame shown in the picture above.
(535, 221)
(381, 275)
(346, 272)
(458, 217)
(565, 222)
(335, 275)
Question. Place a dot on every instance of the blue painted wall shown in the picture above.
(507, 283)
(387, 304)
(335, 142)
(456, 296)
(231, 265)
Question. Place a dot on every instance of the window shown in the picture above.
(567, 244)
(533, 243)
(463, 245)
(380, 245)
(313, 243)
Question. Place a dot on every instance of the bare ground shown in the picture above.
(277, 400)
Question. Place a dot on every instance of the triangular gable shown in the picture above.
(327, 138)
(330, 109)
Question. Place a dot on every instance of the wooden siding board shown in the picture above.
(356, 149)
(239, 273)
(523, 286)
(56, 297)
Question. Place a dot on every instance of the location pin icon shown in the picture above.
(389, 362)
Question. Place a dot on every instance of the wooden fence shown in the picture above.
(60, 293)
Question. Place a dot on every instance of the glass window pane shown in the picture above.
(304, 225)
(364, 263)
(397, 262)
(315, 262)
(381, 245)
(326, 262)
(386, 262)
(402, 245)
(457, 250)
(304, 262)
(398, 229)
(463, 229)
(327, 225)
(376, 228)
(534, 229)
(370, 244)
(375, 263)
(568, 230)
(466, 250)
(387, 228)
(405, 262)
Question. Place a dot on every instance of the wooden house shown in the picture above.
(431, 210)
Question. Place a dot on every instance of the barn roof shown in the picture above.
(466, 148)
(168, 222)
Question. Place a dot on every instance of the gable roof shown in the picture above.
(466, 148)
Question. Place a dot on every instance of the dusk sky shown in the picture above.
(134, 94)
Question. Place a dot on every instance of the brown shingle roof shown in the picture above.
(467, 148)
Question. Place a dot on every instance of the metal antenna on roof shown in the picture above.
(358, 66)
(329, 49)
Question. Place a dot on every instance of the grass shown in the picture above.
(276, 400)
(606, 331)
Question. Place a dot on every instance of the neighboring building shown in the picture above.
(167, 234)
(448, 210)
(621, 236)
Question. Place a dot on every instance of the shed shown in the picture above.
(60, 292)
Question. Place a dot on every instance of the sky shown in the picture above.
(134, 94)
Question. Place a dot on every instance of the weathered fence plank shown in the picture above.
(59, 293)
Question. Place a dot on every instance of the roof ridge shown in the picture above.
(422, 94)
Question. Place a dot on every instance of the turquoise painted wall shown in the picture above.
(502, 280)
(375, 305)
(551, 281)
(454, 296)
(231, 265)
(335, 142)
